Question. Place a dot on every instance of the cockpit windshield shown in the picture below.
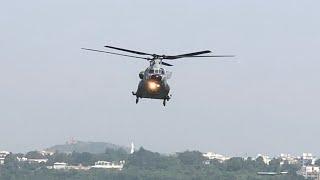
(157, 71)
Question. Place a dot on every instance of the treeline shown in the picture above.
(145, 165)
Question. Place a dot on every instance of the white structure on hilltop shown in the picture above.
(108, 165)
(212, 156)
(3, 155)
(266, 159)
(132, 148)
(46, 153)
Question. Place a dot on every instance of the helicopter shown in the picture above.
(154, 79)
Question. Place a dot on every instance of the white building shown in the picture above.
(22, 159)
(289, 158)
(64, 166)
(79, 168)
(108, 165)
(37, 160)
(3, 155)
(212, 156)
(310, 172)
(46, 153)
(308, 158)
(59, 165)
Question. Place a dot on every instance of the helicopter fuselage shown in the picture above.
(153, 89)
(153, 82)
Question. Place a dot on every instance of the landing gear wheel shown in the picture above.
(164, 102)
(137, 100)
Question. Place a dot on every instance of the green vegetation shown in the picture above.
(91, 147)
(145, 165)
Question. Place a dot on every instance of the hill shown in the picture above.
(91, 147)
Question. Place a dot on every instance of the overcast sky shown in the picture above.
(51, 90)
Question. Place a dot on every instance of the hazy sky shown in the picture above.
(51, 90)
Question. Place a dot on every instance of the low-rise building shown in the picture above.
(22, 159)
(212, 156)
(288, 158)
(3, 155)
(310, 172)
(79, 168)
(65, 166)
(59, 165)
(37, 160)
(108, 165)
(308, 159)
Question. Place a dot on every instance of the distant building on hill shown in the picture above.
(46, 153)
(37, 161)
(3, 155)
(308, 159)
(108, 165)
(59, 165)
(310, 172)
(22, 159)
(212, 156)
(288, 158)
(79, 168)
(65, 166)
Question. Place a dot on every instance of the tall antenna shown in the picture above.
(132, 148)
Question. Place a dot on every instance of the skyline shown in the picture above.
(52, 90)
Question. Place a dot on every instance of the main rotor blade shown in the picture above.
(166, 64)
(214, 56)
(115, 53)
(187, 55)
(130, 51)
(210, 56)
(195, 53)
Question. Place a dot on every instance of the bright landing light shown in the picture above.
(153, 86)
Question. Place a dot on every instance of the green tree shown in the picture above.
(234, 164)
(191, 158)
(34, 155)
(274, 165)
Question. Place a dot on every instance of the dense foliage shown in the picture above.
(91, 147)
(145, 165)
